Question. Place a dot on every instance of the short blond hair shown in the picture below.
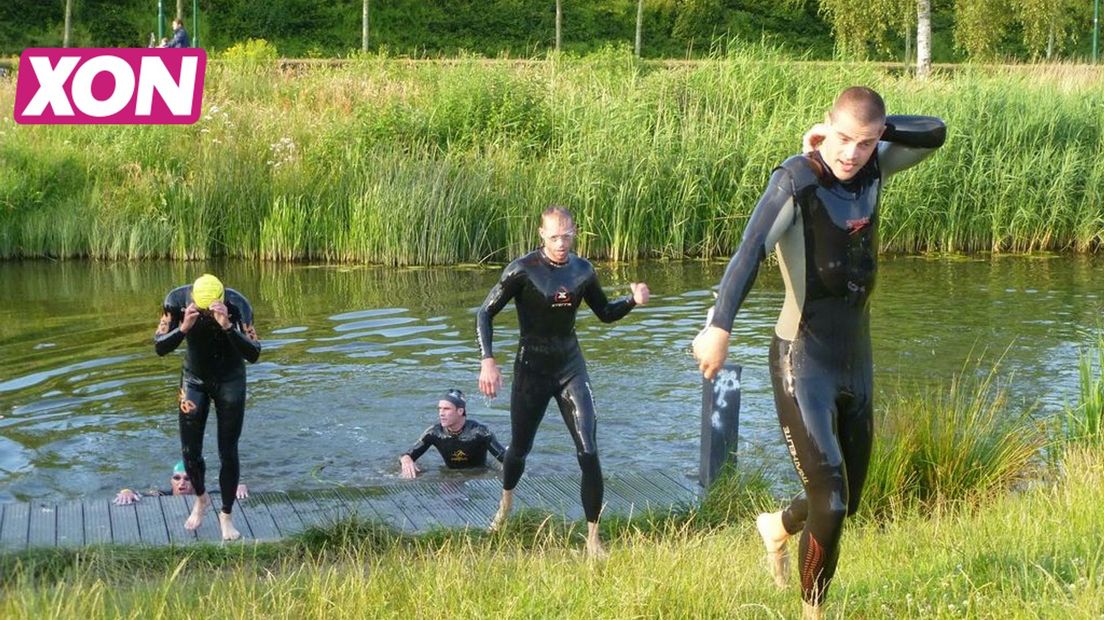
(865, 105)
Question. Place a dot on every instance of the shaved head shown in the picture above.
(861, 103)
(555, 213)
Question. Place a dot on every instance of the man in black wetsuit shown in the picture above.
(820, 215)
(217, 325)
(547, 286)
(463, 443)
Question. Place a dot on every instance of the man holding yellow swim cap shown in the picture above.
(217, 325)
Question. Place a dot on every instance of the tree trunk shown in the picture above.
(559, 24)
(908, 47)
(923, 39)
(68, 36)
(364, 26)
(639, 25)
(180, 10)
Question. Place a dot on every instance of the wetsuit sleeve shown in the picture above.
(424, 442)
(908, 140)
(242, 335)
(607, 311)
(168, 335)
(772, 216)
(493, 446)
(513, 277)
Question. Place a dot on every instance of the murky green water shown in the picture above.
(355, 358)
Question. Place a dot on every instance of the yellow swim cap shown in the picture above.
(206, 290)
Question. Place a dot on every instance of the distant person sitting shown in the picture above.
(180, 36)
(463, 443)
(181, 484)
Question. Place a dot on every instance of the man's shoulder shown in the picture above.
(802, 170)
(235, 298)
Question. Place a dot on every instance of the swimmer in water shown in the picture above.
(462, 442)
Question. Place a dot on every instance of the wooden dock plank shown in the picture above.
(70, 524)
(97, 522)
(421, 519)
(151, 521)
(391, 511)
(262, 526)
(411, 506)
(13, 534)
(124, 524)
(42, 531)
(176, 512)
(283, 513)
(441, 514)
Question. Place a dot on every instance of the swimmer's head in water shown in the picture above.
(206, 290)
(181, 482)
(452, 409)
(856, 122)
(557, 233)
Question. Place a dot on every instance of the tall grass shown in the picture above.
(945, 447)
(398, 162)
(1083, 421)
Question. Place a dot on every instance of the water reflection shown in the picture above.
(355, 358)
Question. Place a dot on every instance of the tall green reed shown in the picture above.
(397, 162)
(938, 447)
(1082, 423)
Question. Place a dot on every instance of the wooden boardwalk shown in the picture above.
(410, 506)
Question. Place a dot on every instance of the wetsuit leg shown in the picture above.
(529, 396)
(230, 411)
(193, 408)
(577, 408)
(807, 412)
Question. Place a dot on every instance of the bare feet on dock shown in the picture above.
(202, 502)
(594, 548)
(226, 522)
(774, 537)
(504, 506)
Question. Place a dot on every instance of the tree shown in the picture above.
(923, 39)
(639, 25)
(364, 21)
(180, 10)
(68, 37)
(559, 24)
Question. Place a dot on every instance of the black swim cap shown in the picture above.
(456, 397)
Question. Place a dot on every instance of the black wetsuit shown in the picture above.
(214, 369)
(825, 232)
(465, 449)
(549, 363)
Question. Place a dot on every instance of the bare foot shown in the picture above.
(504, 507)
(202, 502)
(226, 522)
(774, 537)
(594, 548)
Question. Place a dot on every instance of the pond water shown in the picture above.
(355, 358)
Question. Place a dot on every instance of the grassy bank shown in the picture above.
(1038, 554)
(954, 534)
(401, 163)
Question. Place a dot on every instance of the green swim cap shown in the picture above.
(206, 290)
(179, 468)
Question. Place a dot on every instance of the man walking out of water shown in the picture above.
(820, 215)
(547, 286)
(217, 325)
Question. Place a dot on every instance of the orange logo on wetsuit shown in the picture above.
(854, 226)
(459, 457)
(186, 406)
(561, 298)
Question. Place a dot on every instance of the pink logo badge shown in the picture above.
(128, 86)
